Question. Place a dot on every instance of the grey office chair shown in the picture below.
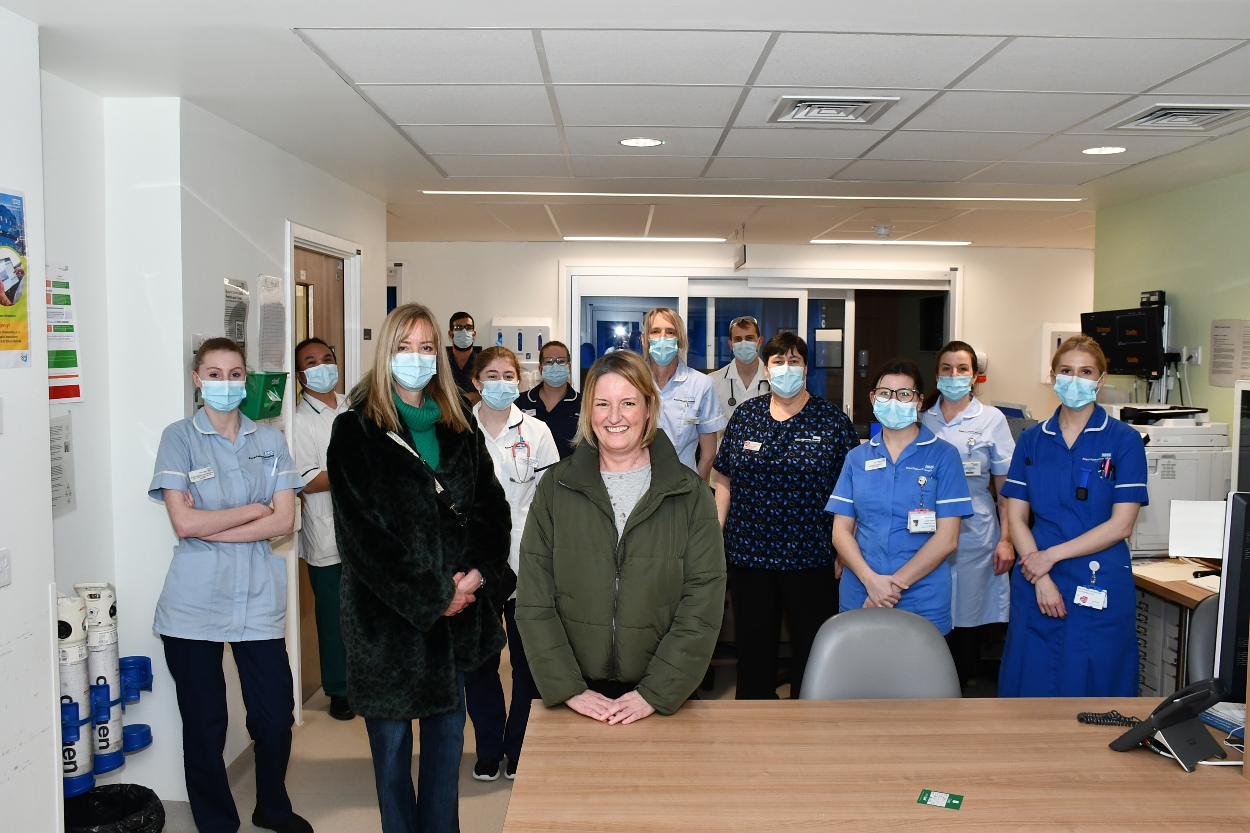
(879, 654)
(1200, 643)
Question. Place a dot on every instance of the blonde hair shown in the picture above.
(372, 394)
(633, 369)
(492, 353)
(683, 341)
(1082, 344)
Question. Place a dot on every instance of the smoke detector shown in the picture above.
(1185, 117)
(883, 231)
(806, 109)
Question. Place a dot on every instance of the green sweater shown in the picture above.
(420, 422)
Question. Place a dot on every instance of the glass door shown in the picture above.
(607, 313)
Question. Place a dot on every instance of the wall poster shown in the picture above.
(14, 324)
(64, 351)
(1230, 352)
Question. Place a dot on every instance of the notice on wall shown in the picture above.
(61, 444)
(64, 373)
(1230, 352)
(272, 324)
(237, 298)
(14, 283)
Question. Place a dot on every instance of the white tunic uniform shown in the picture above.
(983, 440)
(689, 407)
(730, 385)
(313, 423)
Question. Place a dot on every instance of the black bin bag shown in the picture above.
(115, 808)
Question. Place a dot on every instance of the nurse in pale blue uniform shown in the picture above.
(1083, 474)
(229, 486)
(690, 410)
(980, 584)
(898, 504)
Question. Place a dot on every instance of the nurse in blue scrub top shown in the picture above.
(1083, 475)
(898, 502)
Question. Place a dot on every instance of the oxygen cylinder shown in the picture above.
(103, 669)
(76, 746)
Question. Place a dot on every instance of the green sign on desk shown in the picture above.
(937, 799)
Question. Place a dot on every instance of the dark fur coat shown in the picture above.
(400, 549)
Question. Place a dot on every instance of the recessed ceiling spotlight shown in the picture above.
(1102, 151)
(641, 142)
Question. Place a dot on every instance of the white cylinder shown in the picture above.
(103, 668)
(77, 757)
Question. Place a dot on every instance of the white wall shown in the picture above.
(1007, 293)
(30, 772)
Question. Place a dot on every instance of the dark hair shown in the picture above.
(783, 343)
(457, 316)
(951, 347)
(212, 345)
(559, 344)
(312, 340)
(902, 367)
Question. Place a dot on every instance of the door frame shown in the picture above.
(350, 253)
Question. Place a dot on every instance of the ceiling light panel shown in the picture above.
(877, 242)
(725, 195)
(729, 167)
(1068, 148)
(1047, 173)
(632, 167)
(880, 170)
(1013, 112)
(762, 103)
(607, 104)
(653, 57)
(831, 110)
(425, 56)
(953, 146)
(805, 143)
(610, 239)
(1225, 76)
(455, 104)
(485, 139)
(1110, 65)
(858, 60)
(678, 141)
(503, 166)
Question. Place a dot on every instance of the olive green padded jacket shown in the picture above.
(644, 610)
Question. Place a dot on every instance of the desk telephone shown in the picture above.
(1176, 726)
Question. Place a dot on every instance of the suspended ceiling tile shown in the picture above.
(1112, 65)
(693, 106)
(904, 215)
(800, 142)
(678, 141)
(793, 224)
(1076, 239)
(582, 220)
(444, 223)
(988, 226)
(1226, 76)
(1045, 173)
(651, 57)
(728, 167)
(859, 60)
(486, 139)
(762, 101)
(1010, 112)
(455, 104)
(529, 221)
(504, 166)
(699, 221)
(881, 170)
(624, 166)
(953, 146)
(1067, 148)
(425, 56)
(1104, 124)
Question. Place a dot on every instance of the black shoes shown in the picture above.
(294, 824)
(340, 709)
(510, 771)
(486, 769)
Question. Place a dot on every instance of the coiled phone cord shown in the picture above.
(1111, 718)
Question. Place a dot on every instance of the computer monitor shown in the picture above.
(1132, 340)
(1231, 635)
(1240, 438)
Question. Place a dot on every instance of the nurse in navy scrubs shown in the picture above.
(898, 502)
(1083, 475)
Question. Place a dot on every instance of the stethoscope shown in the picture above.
(758, 390)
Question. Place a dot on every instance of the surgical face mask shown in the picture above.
(323, 378)
(498, 394)
(413, 371)
(462, 339)
(1076, 392)
(223, 396)
(663, 350)
(556, 374)
(893, 414)
(787, 380)
(746, 351)
(954, 387)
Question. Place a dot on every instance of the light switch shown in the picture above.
(6, 570)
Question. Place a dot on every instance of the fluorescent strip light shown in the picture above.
(893, 242)
(645, 239)
(743, 196)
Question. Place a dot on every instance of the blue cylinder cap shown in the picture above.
(136, 736)
(78, 784)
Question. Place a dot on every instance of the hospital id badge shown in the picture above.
(205, 473)
(1091, 597)
(972, 468)
(921, 520)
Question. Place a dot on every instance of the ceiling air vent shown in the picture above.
(1186, 117)
(805, 109)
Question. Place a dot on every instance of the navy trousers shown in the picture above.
(265, 675)
(499, 732)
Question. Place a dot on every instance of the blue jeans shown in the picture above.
(434, 807)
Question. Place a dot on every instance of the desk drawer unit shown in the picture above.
(1158, 644)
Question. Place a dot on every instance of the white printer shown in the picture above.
(1187, 458)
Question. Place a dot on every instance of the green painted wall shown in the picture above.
(1194, 244)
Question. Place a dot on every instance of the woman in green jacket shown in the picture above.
(622, 582)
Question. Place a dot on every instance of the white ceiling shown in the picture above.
(396, 98)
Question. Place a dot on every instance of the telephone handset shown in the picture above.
(1176, 724)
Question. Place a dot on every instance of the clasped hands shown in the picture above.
(1036, 568)
(624, 710)
(883, 591)
(467, 585)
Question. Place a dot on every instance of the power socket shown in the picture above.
(1191, 355)
(6, 570)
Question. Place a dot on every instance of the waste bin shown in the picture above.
(115, 808)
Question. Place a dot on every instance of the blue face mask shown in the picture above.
(499, 394)
(786, 380)
(746, 351)
(413, 371)
(323, 378)
(462, 339)
(954, 387)
(223, 396)
(555, 374)
(893, 414)
(663, 350)
(1076, 392)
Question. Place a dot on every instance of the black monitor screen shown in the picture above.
(1132, 340)
(1234, 623)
